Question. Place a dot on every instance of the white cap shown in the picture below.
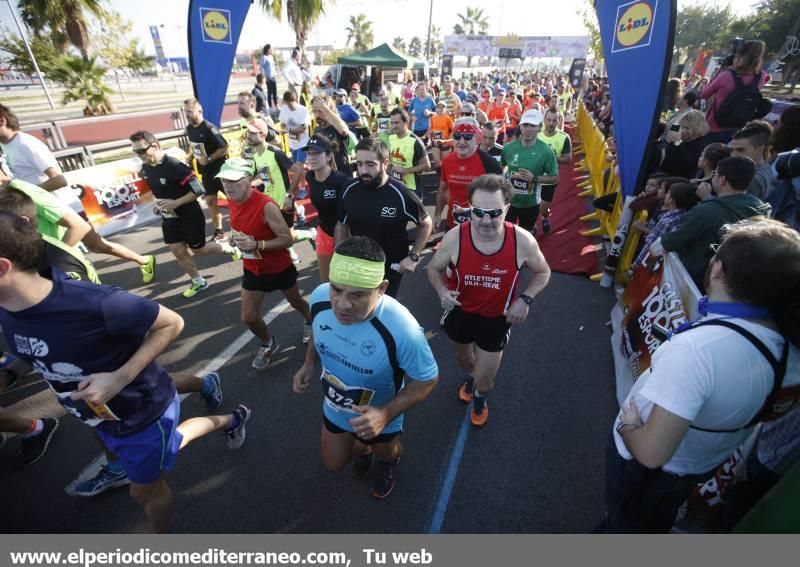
(532, 116)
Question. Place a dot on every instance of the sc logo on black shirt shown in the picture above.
(389, 212)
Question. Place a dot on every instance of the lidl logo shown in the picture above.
(216, 25)
(634, 25)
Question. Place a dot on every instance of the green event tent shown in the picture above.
(383, 55)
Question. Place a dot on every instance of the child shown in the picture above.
(680, 198)
(439, 133)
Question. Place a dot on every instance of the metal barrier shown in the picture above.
(51, 132)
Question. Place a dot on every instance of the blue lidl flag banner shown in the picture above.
(214, 28)
(637, 40)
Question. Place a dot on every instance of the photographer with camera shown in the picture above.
(736, 91)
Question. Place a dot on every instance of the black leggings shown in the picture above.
(272, 92)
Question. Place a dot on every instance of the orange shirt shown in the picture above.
(499, 113)
(441, 127)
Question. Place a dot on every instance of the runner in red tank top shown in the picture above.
(486, 256)
(259, 231)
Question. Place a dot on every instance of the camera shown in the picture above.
(735, 46)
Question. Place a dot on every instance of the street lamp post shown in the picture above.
(30, 53)
(428, 43)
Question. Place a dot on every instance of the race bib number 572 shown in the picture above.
(340, 396)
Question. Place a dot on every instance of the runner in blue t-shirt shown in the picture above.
(376, 363)
(421, 108)
(96, 346)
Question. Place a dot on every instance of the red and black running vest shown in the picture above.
(487, 284)
(248, 217)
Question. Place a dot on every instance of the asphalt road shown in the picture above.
(536, 467)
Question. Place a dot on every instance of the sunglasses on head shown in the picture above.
(142, 151)
(461, 136)
(480, 213)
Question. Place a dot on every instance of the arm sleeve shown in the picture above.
(128, 315)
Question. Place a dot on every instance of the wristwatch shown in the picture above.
(526, 298)
(414, 256)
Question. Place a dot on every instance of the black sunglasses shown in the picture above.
(467, 114)
(142, 151)
(459, 136)
(480, 213)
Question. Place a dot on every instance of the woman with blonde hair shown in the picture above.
(680, 160)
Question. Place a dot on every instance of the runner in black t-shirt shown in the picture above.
(381, 208)
(331, 125)
(209, 149)
(176, 189)
(326, 186)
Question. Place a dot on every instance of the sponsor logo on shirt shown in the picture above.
(389, 212)
(329, 194)
(31, 346)
(368, 348)
(324, 328)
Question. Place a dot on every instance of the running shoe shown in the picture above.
(363, 463)
(465, 391)
(546, 225)
(104, 480)
(383, 481)
(195, 288)
(264, 354)
(218, 235)
(149, 269)
(478, 419)
(235, 254)
(34, 448)
(214, 398)
(306, 333)
(236, 436)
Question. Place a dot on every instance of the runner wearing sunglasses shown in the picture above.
(486, 255)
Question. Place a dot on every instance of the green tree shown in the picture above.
(473, 22)
(137, 61)
(771, 22)
(415, 47)
(331, 57)
(436, 43)
(16, 56)
(589, 17)
(360, 33)
(64, 20)
(399, 43)
(302, 15)
(83, 79)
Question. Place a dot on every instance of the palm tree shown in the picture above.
(302, 15)
(83, 80)
(65, 19)
(472, 23)
(360, 31)
(415, 47)
(399, 43)
(137, 61)
(436, 43)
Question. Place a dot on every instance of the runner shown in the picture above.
(272, 168)
(486, 255)
(451, 100)
(498, 113)
(247, 113)
(381, 119)
(96, 347)
(263, 237)
(295, 123)
(561, 144)
(35, 434)
(326, 186)
(459, 169)
(439, 134)
(367, 389)
(468, 110)
(489, 142)
(31, 161)
(407, 154)
(209, 149)
(380, 207)
(529, 163)
(177, 189)
(421, 108)
(331, 125)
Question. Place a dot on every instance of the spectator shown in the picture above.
(267, 67)
(652, 199)
(672, 95)
(700, 227)
(747, 65)
(785, 198)
(711, 156)
(680, 198)
(293, 72)
(753, 141)
(685, 104)
(708, 383)
(786, 134)
(259, 91)
(680, 159)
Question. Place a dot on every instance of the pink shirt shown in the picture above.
(723, 85)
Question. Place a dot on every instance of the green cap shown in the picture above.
(234, 169)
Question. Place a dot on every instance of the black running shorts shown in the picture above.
(270, 282)
(190, 228)
(382, 438)
(548, 191)
(489, 333)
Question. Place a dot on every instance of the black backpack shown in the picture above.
(743, 104)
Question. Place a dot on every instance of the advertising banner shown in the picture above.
(516, 47)
(662, 293)
(214, 28)
(637, 40)
(114, 195)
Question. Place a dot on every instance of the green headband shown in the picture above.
(355, 272)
